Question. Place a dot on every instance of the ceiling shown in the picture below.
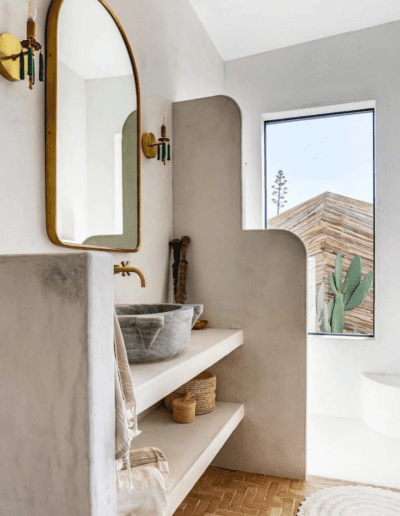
(241, 28)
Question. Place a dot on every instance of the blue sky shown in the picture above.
(332, 154)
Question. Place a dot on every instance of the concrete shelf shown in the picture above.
(189, 448)
(154, 381)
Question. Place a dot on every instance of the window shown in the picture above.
(319, 184)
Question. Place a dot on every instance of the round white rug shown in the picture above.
(351, 501)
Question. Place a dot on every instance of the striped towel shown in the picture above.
(147, 456)
(150, 495)
(149, 471)
(125, 404)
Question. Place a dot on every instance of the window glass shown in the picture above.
(320, 185)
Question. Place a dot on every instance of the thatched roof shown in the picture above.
(330, 224)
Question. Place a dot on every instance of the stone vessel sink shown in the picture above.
(156, 332)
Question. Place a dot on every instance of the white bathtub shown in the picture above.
(381, 403)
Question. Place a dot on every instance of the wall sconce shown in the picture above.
(161, 148)
(17, 58)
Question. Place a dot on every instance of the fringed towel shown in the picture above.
(149, 472)
(125, 404)
(148, 456)
(149, 497)
(147, 469)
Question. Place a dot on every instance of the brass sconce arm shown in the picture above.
(160, 148)
(126, 269)
(13, 50)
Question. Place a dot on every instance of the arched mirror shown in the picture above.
(92, 129)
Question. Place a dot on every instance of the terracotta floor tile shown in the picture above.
(221, 492)
(284, 485)
(275, 511)
(250, 495)
(273, 489)
(201, 495)
(201, 508)
(224, 512)
(243, 510)
(242, 487)
(240, 475)
(226, 500)
(213, 505)
(261, 493)
(228, 479)
(238, 498)
(220, 477)
(191, 499)
(189, 510)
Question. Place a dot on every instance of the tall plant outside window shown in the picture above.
(320, 185)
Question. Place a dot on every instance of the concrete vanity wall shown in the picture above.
(56, 375)
(252, 280)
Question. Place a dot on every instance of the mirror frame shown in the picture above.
(51, 76)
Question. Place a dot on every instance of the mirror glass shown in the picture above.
(97, 169)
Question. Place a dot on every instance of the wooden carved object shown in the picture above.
(182, 272)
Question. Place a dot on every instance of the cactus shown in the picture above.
(347, 295)
(323, 314)
(360, 293)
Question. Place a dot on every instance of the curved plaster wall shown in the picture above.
(381, 403)
(252, 280)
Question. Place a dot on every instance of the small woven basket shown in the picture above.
(203, 388)
(184, 409)
(200, 325)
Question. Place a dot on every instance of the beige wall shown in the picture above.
(57, 397)
(176, 61)
(252, 280)
(348, 68)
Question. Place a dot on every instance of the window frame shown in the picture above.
(274, 118)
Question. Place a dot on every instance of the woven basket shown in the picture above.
(184, 409)
(200, 325)
(203, 387)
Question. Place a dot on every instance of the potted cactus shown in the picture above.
(348, 294)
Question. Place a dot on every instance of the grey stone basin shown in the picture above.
(156, 332)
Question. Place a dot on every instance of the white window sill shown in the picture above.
(369, 338)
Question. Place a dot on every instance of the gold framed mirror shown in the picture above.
(93, 118)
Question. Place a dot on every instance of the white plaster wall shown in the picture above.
(176, 60)
(72, 155)
(109, 103)
(95, 32)
(381, 402)
(347, 68)
(252, 280)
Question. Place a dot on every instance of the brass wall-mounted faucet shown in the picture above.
(126, 269)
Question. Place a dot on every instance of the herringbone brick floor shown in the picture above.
(222, 492)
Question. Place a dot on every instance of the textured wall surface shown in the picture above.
(252, 280)
(353, 67)
(56, 376)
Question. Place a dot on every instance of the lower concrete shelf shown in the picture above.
(153, 381)
(189, 448)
